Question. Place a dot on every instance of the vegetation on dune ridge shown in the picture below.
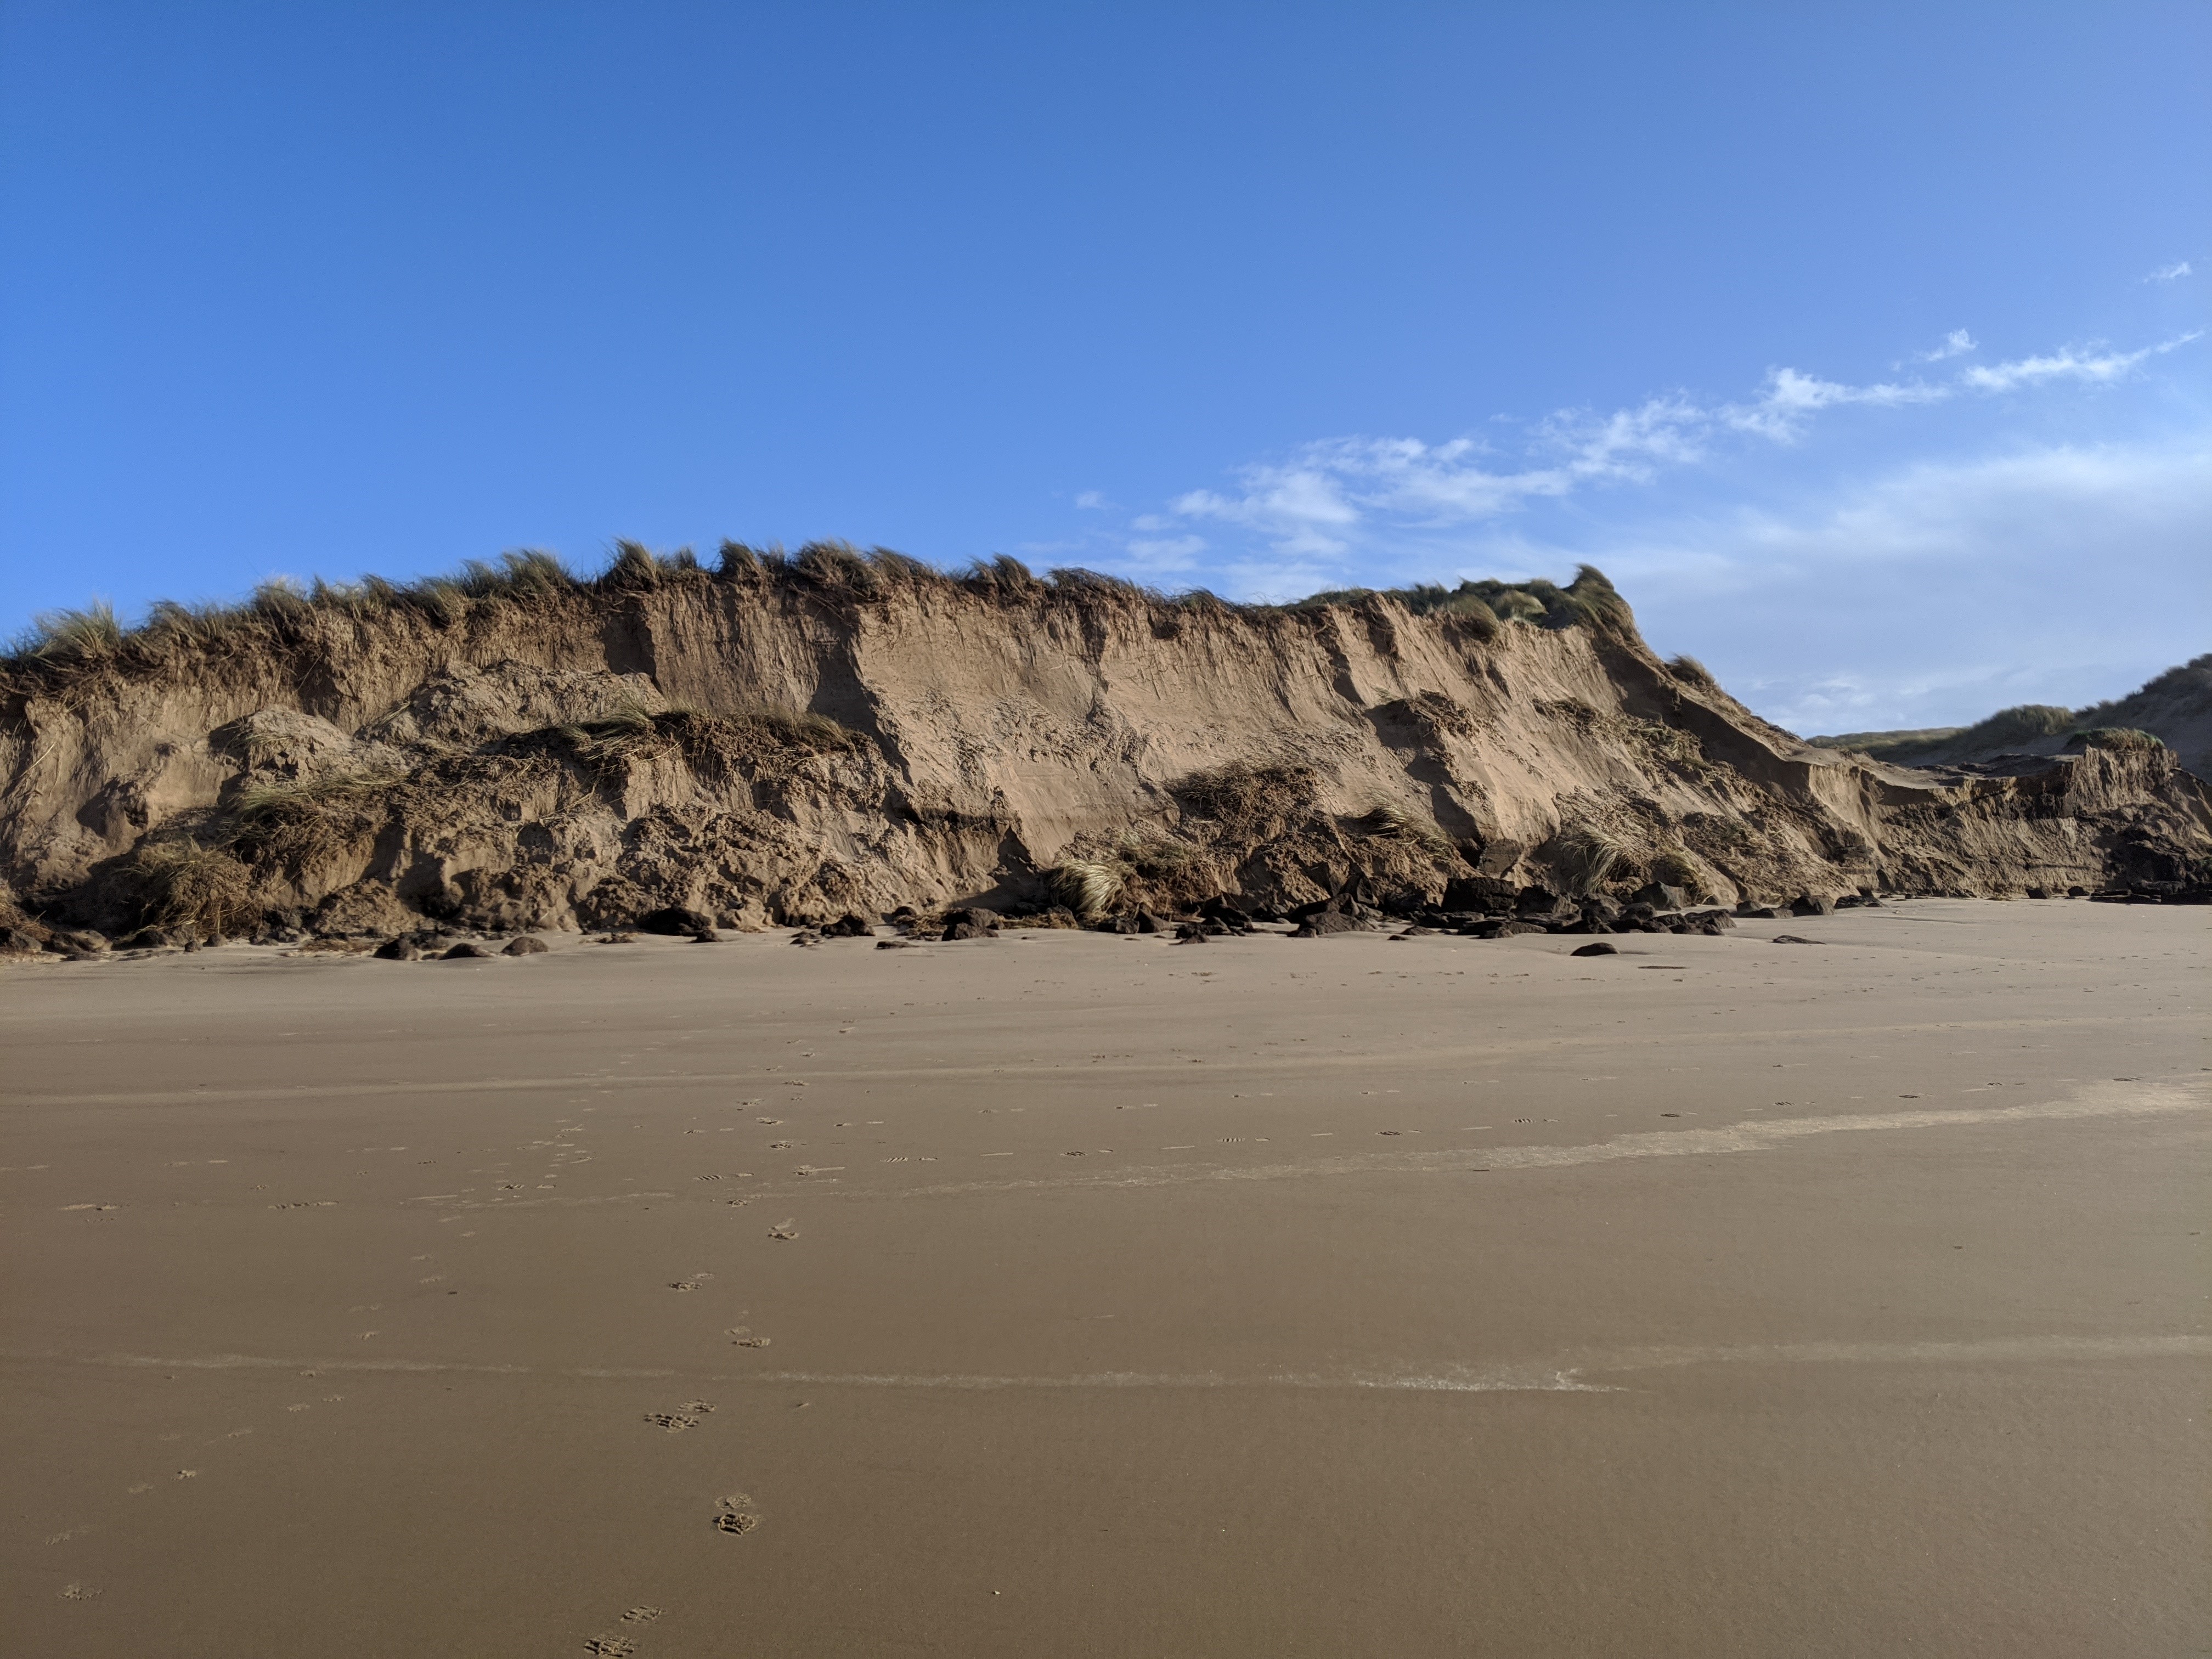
(2188, 687)
(282, 612)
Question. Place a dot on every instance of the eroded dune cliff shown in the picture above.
(789, 740)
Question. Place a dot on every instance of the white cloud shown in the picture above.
(2069, 364)
(1093, 502)
(2170, 273)
(1940, 591)
(1791, 398)
(1956, 343)
(1171, 555)
(1330, 498)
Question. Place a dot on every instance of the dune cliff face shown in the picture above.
(765, 746)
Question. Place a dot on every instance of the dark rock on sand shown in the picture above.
(1809, 904)
(971, 923)
(675, 920)
(467, 950)
(1322, 923)
(525, 946)
(1596, 950)
(849, 925)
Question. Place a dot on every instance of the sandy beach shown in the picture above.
(1065, 1293)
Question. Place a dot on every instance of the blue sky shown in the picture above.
(1862, 346)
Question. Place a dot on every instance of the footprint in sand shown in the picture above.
(699, 1405)
(784, 1230)
(76, 1592)
(641, 1615)
(613, 1646)
(752, 1342)
(143, 1486)
(674, 1422)
(735, 1514)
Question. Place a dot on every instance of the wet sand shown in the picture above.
(1339, 1297)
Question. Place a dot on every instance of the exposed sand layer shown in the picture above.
(1070, 1294)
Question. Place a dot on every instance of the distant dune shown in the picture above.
(791, 739)
(2176, 708)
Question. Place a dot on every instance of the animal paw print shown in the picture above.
(734, 1514)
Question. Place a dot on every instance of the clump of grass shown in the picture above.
(1688, 670)
(1004, 576)
(2023, 723)
(72, 635)
(184, 885)
(1250, 802)
(1674, 869)
(299, 820)
(1084, 887)
(803, 729)
(837, 566)
(1586, 857)
(1596, 599)
(633, 568)
(2116, 737)
(627, 728)
(1391, 821)
(441, 598)
(1158, 860)
(204, 626)
(524, 573)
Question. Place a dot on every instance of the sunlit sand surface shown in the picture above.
(1072, 1294)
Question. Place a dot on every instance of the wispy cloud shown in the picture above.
(1935, 585)
(2097, 367)
(1328, 498)
(1957, 343)
(2173, 273)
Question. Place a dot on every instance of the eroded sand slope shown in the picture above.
(788, 742)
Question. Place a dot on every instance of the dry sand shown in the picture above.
(1266, 1296)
